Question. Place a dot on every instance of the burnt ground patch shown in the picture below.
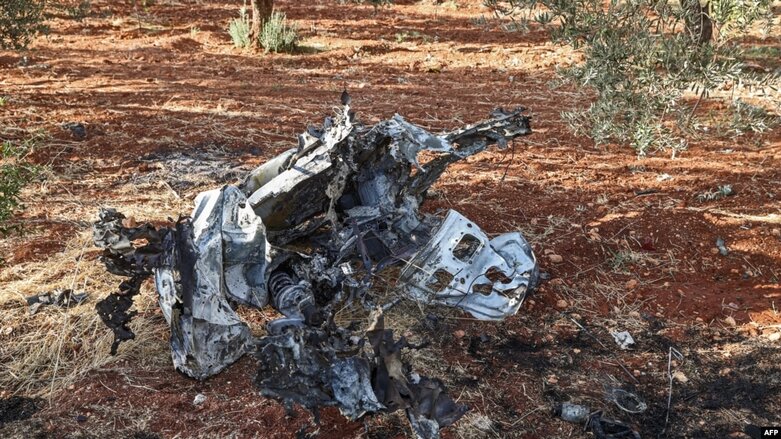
(18, 408)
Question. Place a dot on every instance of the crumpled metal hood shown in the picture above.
(307, 232)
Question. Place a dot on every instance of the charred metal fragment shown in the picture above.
(425, 401)
(307, 233)
(131, 252)
(128, 250)
(59, 297)
(331, 366)
(604, 428)
(315, 368)
(115, 312)
(601, 427)
(206, 273)
(462, 253)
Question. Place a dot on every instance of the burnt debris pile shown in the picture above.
(307, 232)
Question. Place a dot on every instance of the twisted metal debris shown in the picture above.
(308, 231)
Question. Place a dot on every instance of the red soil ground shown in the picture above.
(638, 251)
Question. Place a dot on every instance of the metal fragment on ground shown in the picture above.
(307, 232)
(623, 339)
(600, 426)
(461, 267)
(59, 297)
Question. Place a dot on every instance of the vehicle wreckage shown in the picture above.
(308, 231)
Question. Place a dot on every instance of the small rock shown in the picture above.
(680, 377)
(553, 379)
(730, 321)
(722, 246)
(774, 336)
(199, 399)
(561, 304)
(776, 233)
(714, 251)
(459, 333)
(631, 284)
(556, 259)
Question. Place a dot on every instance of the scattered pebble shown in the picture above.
(774, 336)
(561, 304)
(776, 233)
(680, 377)
(459, 333)
(556, 259)
(199, 399)
(631, 284)
(730, 321)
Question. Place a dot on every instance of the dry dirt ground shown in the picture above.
(171, 108)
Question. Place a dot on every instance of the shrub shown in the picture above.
(79, 11)
(640, 57)
(239, 29)
(278, 35)
(20, 22)
(15, 173)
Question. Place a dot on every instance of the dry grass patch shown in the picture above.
(44, 353)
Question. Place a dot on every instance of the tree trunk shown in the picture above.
(698, 23)
(261, 11)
